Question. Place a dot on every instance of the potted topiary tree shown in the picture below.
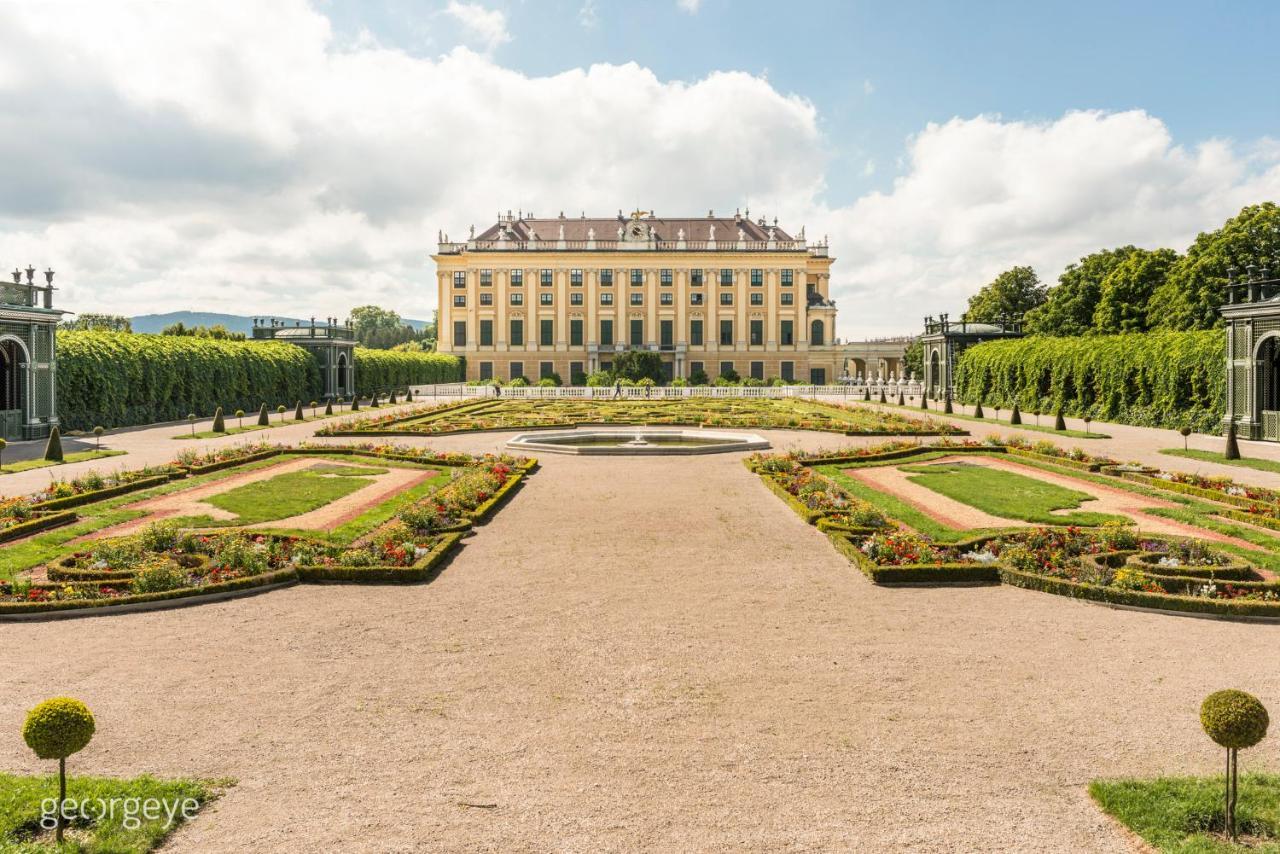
(97, 435)
(1235, 720)
(219, 424)
(1088, 419)
(56, 729)
(53, 447)
(263, 420)
(1184, 432)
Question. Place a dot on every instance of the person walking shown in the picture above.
(617, 388)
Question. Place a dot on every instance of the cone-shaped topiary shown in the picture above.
(328, 406)
(263, 419)
(924, 399)
(946, 402)
(53, 448)
(1015, 417)
(1059, 423)
(1232, 451)
(408, 396)
(1235, 720)
(373, 401)
(866, 394)
(882, 400)
(355, 403)
(298, 414)
(392, 398)
(56, 729)
(219, 425)
(977, 411)
(902, 399)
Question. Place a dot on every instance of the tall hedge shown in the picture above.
(1153, 379)
(119, 379)
(383, 370)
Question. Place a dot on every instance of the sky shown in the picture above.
(299, 158)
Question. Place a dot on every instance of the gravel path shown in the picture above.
(643, 655)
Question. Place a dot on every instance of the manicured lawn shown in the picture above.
(896, 508)
(1185, 814)
(21, 799)
(1006, 494)
(286, 495)
(77, 457)
(252, 424)
(1215, 457)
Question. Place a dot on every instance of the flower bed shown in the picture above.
(1048, 452)
(1254, 499)
(899, 557)
(815, 497)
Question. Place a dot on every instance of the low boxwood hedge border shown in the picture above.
(1065, 462)
(41, 522)
(809, 516)
(930, 574)
(96, 495)
(1250, 518)
(900, 453)
(485, 508)
(1190, 489)
(422, 570)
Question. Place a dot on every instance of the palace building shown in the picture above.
(530, 297)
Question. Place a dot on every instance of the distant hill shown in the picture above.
(153, 323)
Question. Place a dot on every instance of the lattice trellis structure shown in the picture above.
(28, 357)
(945, 341)
(332, 343)
(1252, 314)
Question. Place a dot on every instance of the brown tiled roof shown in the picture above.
(695, 228)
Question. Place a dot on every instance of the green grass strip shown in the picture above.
(1216, 457)
(1070, 434)
(1185, 814)
(1007, 494)
(897, 509)
(77, 457)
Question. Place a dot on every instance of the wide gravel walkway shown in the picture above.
(643, 654)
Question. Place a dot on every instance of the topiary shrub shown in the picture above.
(328, 406)
(1059, 423)
(298, 414)
(408, 396)
(977, 411)
(1232, 450)
(56, 729)
(240, 418)
(219, 425)
(1015, 417)
(355, 402)
(392, 399)
(1235, 720)
(53, 448)
(263, 419)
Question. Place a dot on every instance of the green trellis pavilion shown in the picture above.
(28, 357)
(1252, 315)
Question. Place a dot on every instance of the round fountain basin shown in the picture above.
(635, 441)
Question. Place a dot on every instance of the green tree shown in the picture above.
(913, 358)
(380, 328)
(1128, 288)
(1070, 305)
(1012, 293)
(1190, 297)
(637, 364)
(90, 322)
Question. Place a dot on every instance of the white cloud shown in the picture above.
(868, 87)
(690, 6)
(488, 25)
(588, 15)
(169, 156)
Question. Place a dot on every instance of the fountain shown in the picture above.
(653, 442)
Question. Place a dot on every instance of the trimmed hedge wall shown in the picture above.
(383, 370)
(1152, 379)
(118, 379)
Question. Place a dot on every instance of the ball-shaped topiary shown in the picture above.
(57, 728)
(1234, 719)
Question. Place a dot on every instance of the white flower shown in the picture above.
(984, 556)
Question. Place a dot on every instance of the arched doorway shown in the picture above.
(343, 378)
(13, 388)
(935, 373)
(816, 330)
(1266, 398)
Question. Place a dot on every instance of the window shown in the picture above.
(575, 298)
(577, 374)
(697, 368)
(606, 333)
(757, 332)
(757, 298)
(459, 333)
(726, 297)
(788, 299)
(545, 278)
(788, 370)
(787, 280)
(817, 376)
(726, 369)
(637, 277)
(486, 299)
(757, 370)
(666, 299)
(546, 332)
(460, 279)
(545, 369)
(606, 366)
(517, 278)
(757, 278)
(486, 333)
(726, 276)
(788, 336)
(695, 333)
(575, 333)
(606, 278)
(516, 369)
(637, 297)
(517, 299)
(606, 299)
(460, 300)
(517, 333)
(575, 278)
(486, 371)
(695, 278)
(665, 334)
(545, 298)
(695, 299)
(486, 278)
(726, 333)
(815, 334)
(637, 332)
(665, 278)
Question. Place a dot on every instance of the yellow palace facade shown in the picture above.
(533, 297)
